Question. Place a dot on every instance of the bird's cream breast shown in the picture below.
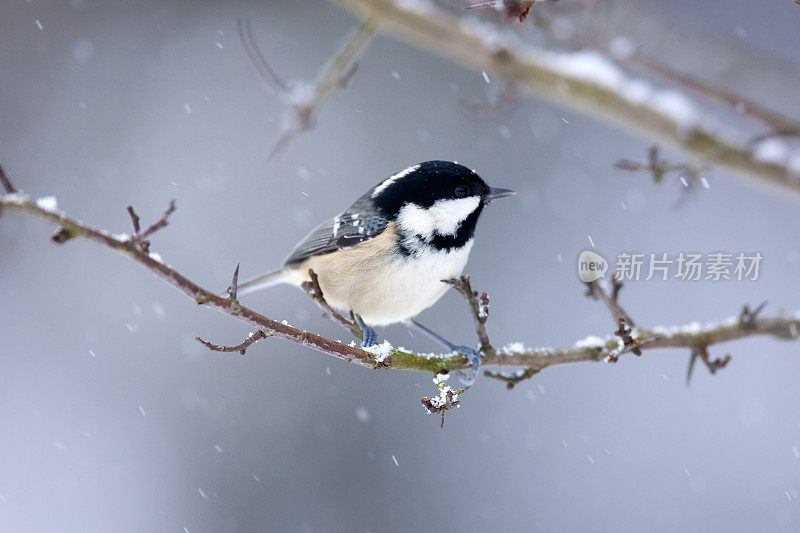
(374, 281)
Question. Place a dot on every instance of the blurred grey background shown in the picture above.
(114, 418)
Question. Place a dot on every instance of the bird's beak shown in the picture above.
(495, 193)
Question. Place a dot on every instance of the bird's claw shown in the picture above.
(369, 338)
(474, 357)
(368, 335)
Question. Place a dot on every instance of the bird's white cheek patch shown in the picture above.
(416, 220)
(443, 217)
(449, 214)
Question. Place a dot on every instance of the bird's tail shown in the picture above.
(263, 282)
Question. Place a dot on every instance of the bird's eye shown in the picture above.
(461, 191)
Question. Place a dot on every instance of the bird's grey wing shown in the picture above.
(344, 231)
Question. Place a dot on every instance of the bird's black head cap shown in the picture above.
(426, 183)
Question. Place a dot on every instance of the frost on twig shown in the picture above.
(302, 99)
(446, 400)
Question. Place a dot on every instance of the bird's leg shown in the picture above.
(368, 335)
(472, 354)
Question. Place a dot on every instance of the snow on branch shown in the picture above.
(591, 82)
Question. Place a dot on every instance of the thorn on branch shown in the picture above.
(234, 286)
(511, 379)
(5, 182)
(241, 348)
(748, 317)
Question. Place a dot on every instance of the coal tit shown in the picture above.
(385, 257)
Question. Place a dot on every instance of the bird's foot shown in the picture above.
(474, 357)
(368, 335)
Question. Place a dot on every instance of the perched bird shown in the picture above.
(385, 257)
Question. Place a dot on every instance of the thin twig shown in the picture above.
(160, 223)
(249, 44)
(134, 220)
(314, 291)
(241, 348)
(479, 308)
(302, 101)
(511, 380)
(595, 290)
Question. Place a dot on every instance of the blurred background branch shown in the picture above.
(591, 82)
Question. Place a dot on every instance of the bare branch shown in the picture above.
(691, 337)
(241, 348)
